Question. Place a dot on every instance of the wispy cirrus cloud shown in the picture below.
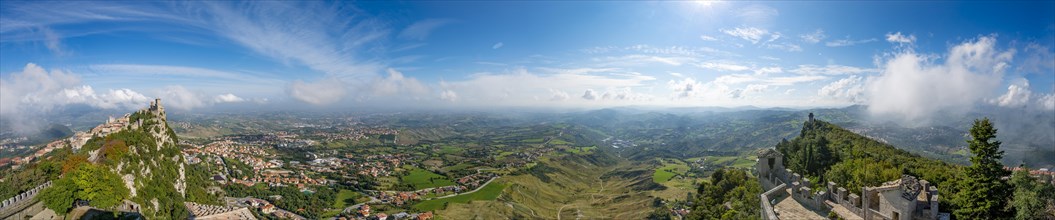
(814, 37)
(422, 29)
(848, 42)
(752, 34)
(179, 71)
(325, 37)
(900, 38)
(831, 70)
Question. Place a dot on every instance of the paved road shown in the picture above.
(472, 191)
(375, 200)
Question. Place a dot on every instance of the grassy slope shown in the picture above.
(577, 185)
(420, 179)
(489, 192)
(346, 198)
(669, 169)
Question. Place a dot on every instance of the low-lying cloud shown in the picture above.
(322, 92)
(27, 96)
(915, 87)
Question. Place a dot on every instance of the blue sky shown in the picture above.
(912, 59)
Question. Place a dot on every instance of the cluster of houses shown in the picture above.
(363, 213)
(476, 179)
(263, 205)
(356, 133)
(76, 141)
(381, 165)
(1043, 174)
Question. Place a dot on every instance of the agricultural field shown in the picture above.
(423, 179)
(348, 197)
(489, 192)
(670, 169)
(582, 150)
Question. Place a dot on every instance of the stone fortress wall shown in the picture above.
(26, 202)
(19, 202)
(906, 198)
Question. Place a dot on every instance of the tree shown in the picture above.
(98, 185)
(102, 187)
(984, 194)
(1029, 197)
(60, 196)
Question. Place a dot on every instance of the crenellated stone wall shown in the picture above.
(906, 198)
(21, 201)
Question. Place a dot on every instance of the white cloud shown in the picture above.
(497, 45)
(848, 42)
(624, 94)
(773, 37)
(589, 95)
(785, 46)
(723, 66)
(638, 60)
(1038, 60)
(449, 95)
(147, 72)
(649, 49)
(53, 41)
(316, 35)
(520, 87)
(685, 88)
(1016, 96)
(226, 98)
(752, 34)
(769, 58)
(29, 95)
(1019, 95)
(707, 38)
(756, 89)
(322, 92)
(757, 14)
(813, 37)
(558, 95)
(847, 89)
(901, 39)
(768, 70)
(831, 70)
(181, 98)
(398, 85)
(913, 89)
(422, 29)
(1046, 102)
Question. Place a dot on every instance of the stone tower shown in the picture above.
(811, 117)
(157, 109)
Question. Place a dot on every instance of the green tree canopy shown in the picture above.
(1031, 198)
(983, 194)
(100, 186)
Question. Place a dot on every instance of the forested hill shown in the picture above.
(141, 163)
(827, 152)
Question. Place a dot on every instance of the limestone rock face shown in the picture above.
(153, 169)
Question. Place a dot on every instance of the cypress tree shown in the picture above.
(984, 194)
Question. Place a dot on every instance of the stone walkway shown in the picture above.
(788, 208)
(842, 211)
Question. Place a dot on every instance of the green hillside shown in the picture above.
(827, 152)
(140, 163)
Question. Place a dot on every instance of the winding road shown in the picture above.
(374, 200)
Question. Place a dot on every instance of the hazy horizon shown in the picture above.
(905, 61)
